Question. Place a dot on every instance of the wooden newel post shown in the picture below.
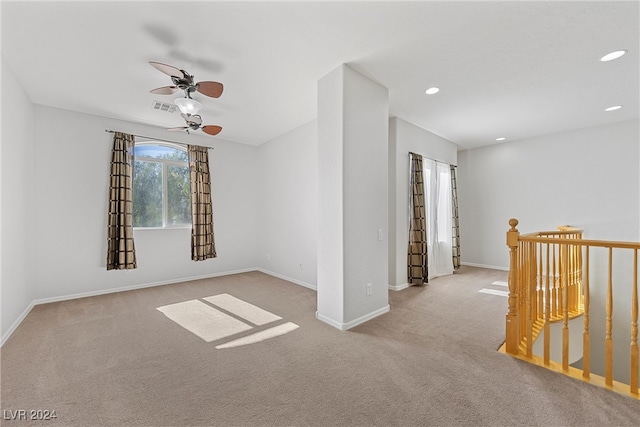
(512, 318)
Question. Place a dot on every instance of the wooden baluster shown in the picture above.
(579, 276)
(579, 298)
(540, 284)
(522, 286)
(580, 266)
(531, 265)
(512, 317)
(522, 304)
(569, 273)
(554, 295)
(608, 340)
(634, 327)
(586, 341)
(565, 307)
(562, 267)
(573, 298)
(547, 314)
(524, 312)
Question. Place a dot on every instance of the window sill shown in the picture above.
(185, 227)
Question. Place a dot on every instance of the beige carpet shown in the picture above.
(117, 360)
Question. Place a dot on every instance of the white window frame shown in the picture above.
(165, 187)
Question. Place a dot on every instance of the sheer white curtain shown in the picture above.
(437, 183)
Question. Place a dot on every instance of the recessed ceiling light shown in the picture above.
(613, 55)
(432, 90)
(614, 108)
(502, 138)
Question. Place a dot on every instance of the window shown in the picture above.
(437, 187)
(161, 186)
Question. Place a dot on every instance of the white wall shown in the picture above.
(353, 116)
(18, 208)
(366, 136)
(288, 205)
(586, 178)
(72, 163)
(405, 137)
(330, 201)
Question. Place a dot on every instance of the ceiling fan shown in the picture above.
(185, 81)
(194, 122)
(188, 106)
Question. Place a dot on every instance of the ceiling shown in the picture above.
(508, 69)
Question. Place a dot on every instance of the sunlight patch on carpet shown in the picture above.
(210, 323)
(494, 292)
(500, 283)
(247, 311)
(203, 320)
(276, 331)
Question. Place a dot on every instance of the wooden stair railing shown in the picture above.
(549, 282)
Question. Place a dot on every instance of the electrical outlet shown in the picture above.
(369, 289)
(380, 234)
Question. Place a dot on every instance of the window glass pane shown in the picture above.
(147, 194)
(178, 197)
(160, 152)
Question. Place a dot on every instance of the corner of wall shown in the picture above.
(17, 184)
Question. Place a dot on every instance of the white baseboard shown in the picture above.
(140, 286)
(355, 322)
(490, 267)
(368, 317)
(38, 301)
(15, 324)
(330, 321)
(288, 279)
(399, 287)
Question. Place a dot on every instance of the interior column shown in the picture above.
(353, 133)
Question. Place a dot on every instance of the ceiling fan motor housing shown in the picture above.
(185, 83)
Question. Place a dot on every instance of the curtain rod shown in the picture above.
(437, 161)
(153, 138)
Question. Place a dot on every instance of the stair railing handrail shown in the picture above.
(546, 285)
(581, 242)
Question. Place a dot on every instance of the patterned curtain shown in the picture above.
(121, 253)
(417, 269)
(202, 243)
(455, 222)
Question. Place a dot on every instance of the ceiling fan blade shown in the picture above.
(178, 128)
(164, 90)
(212, 89)
(167, 69)
(211, 130)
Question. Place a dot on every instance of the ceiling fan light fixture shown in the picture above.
(188, 105)
(613, 55)
(432, 91)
